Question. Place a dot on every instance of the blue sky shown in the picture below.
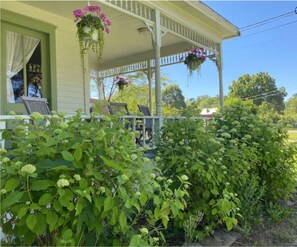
(274, 51)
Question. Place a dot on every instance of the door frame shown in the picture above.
(39, 26)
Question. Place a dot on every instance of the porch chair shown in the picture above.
(118, 108)
(148, 123)
(33, 104)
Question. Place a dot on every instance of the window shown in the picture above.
(23, 67)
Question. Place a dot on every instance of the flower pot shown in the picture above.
(90, 34)
(194, 65)
(121, 86)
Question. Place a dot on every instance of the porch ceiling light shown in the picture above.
(143, 30)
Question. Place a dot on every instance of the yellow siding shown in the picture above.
(70, 86)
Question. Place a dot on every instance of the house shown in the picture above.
(208, 112)
(41, 56)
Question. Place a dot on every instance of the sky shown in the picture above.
(256, 50)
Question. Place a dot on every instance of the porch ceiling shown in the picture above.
(126, 45)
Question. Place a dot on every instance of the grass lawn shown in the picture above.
(292, 136)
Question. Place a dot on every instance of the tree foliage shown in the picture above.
(291, 110)
(260, 88)
(206, 101)
(173, 96)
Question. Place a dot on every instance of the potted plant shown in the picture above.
(194, 59)
(121, 82)
(91, 24)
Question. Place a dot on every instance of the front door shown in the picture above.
(24, 68)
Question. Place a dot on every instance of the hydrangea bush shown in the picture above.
(79, 182)
(238, 164)
(187, 147)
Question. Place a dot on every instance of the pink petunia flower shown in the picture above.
(78, 13)
(93, 8)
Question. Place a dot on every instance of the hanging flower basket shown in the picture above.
(194, 59)
(91, 25)
(121, 82)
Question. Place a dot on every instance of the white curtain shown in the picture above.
(14, 57)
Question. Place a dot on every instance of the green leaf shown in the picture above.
(22, 212)
(83, 184)
(51, 218)
(143, 199)
(215, 191)
(135, 240)
(108, 204)
(31, 221)
(229, 223)
(98, 176)
(78, 154)
(165, 221)
(136, 205)
(112, 164)
(45, 199)
(157, 200)
(115, 216)
(88, 197)
(212, 202)
(57, 206)
(42, 184)
(206, 194)
(67, 234)
(79, 206)
(67, 156)
(99, 202)
(214, 211)
(11, 184)
(11, 199)
(41, 226)
(123, 221)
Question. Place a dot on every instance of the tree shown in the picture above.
(173, 96)
(259, 88)
(133, 95)
(290, 112)
(206, 101)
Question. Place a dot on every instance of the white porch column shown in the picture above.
(157, 46)
(220, 69)
(149, 77)
(99, 84)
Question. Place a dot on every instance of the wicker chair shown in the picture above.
(36, 105)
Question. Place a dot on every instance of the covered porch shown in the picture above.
(144, 36)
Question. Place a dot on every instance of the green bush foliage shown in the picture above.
(186, 147)
(237, 164)
(257, 146)
(78, 182)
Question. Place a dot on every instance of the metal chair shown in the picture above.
(36, 105)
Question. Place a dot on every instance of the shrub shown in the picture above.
(258, 146)
(257, 156)
(186, 147)
(80, 182)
